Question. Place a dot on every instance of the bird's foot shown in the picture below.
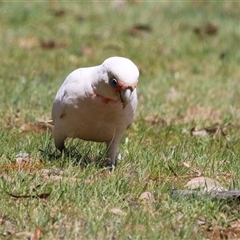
(110, 165)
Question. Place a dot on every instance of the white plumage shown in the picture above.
(97, 104)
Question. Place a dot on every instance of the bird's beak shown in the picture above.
(125, 96)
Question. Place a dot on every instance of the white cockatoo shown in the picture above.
(97, 104)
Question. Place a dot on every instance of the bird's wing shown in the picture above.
(76, 86)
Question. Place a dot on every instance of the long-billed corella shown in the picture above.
(97, 104)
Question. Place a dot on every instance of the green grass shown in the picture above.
(187, 80)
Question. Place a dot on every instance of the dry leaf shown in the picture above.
(187, 164)
(197, 30)
(59, 12)
(216, 132)
(192, 170)
(142, 27)
(201, 133)
(154, 120)
(47, 44)
(47, 124)
(219, 132)
(147, 196)
(201, 221)
(137, 29)
(31, 127)
(210, 29)
(117, 211)
(37, 233)
(41, 196)
(204, 183)
(196, 172)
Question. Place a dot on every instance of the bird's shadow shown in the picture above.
(73, 154)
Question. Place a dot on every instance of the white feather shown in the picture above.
(87, 107)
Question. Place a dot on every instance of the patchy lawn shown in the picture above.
(186, 126)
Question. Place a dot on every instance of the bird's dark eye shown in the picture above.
(113, 82)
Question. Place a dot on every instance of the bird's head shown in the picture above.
(118, 78)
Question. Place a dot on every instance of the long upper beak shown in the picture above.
(125, 96)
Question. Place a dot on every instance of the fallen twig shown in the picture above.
(228, 195)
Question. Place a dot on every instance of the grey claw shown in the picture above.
(110, 165)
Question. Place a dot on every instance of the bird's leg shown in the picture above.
(112, 148)
(59, 139)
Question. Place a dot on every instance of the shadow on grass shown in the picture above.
(73, 155)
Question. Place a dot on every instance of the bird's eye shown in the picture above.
(113, 82)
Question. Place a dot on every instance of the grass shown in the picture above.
(188, 55)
